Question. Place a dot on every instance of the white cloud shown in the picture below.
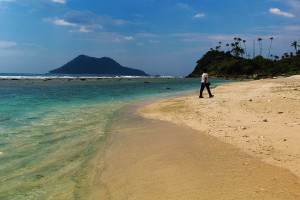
(82, 28)
(59, 1)
(120, 21)
(292, 28)
(184, 6)
(276, 11)
(62, 22)
(205, 37)
(87, 28)
(199, 15)
(59, 22)
(221, 37)
(5, 44)
(294, 3)
(188, 37)
(87, 18)
(32, 46)
(128, 38)
(3, 2)
(106, 37)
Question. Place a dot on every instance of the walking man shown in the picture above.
(205, 83)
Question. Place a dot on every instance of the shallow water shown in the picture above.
(50, 128)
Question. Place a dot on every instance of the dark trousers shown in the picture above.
(203, 85)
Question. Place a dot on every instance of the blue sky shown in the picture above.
(164, 37)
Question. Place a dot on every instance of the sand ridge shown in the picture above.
(260, 117)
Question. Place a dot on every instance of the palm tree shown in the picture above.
(244, 41)
(227, 45)
(220, 43)
(271, 39)
(260, 43)
(236, 49)
(295, 45)
(239, 40)
(253, 48)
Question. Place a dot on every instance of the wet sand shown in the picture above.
(261, 118)
(152, 159)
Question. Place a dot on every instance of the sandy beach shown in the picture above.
(242, 144)
(261, 118)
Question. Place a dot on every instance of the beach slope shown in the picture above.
(259, 117)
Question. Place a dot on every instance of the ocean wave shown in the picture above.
(10, 76)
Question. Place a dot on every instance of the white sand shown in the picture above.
(260, 117)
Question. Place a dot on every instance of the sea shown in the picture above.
(52, 125)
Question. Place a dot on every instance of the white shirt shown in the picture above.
(204, 75)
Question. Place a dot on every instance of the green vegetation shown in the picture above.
(232, 64)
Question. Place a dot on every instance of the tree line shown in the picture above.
(238, 61)
(238, 50)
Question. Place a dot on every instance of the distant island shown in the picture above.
(236, 62)
(103, 66)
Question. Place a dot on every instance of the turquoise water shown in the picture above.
(49, 129)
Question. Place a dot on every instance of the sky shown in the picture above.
(160, 37)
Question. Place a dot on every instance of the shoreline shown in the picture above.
(260, 117)
(152, 159)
